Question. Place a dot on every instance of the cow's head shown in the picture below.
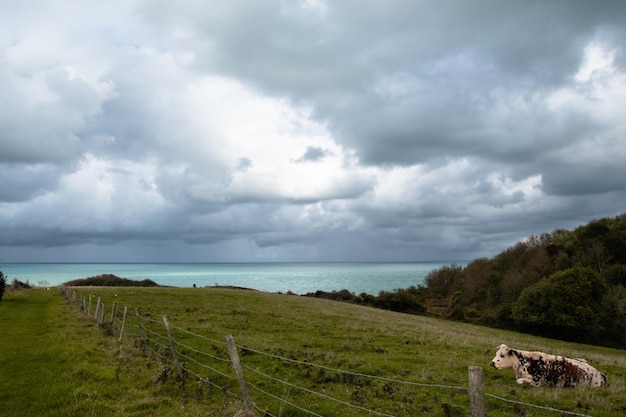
(504, 358)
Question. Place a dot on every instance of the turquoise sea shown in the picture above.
(299, 278)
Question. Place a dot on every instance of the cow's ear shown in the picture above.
(512, 352)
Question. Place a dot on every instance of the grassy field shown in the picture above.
(55, 361)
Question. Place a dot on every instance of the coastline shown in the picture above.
(296, 277)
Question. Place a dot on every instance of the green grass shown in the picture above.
(55, 362)
(84, 369)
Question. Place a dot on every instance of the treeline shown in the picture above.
(568, 285)
(403, 300)
(110, 280)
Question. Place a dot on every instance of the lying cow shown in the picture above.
(539, 368)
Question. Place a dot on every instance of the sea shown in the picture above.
(298, 278)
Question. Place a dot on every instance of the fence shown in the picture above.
(178, 347)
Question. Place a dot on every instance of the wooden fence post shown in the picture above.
(89, 310)
(113, 312)
(172, 346)
(476, 392)
(234, 357)
(123, 323)
(101, 319)
(97, 309)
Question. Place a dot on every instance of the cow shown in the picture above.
(542, 369)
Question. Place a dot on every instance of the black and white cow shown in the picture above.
(538, 368)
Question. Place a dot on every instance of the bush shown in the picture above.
(615, 275)
(445, 281)
(342, 295)
(566, 305)
(17, 284)
(615, 317)
(3, 284)
(407, 300)
(110, 280)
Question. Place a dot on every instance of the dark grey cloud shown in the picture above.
(21, 182)
(297, 130)
(313, 153)
(407, 83)
(42, 116)
(585, 180)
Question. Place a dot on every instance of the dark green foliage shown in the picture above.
(615, 275)
(565, 284)
(565, 305)
(110, 280)
(407, 300)
(342, 295)
(3, 284)
(615, 317)
(445, 281)
(17, 285)
(490, 291)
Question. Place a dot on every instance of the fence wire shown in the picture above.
(343, 371)
(555, 410)
(319, 394)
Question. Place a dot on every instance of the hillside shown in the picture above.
(569, 285)
(432, 353)
(80, 368)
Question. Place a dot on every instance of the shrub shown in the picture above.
(407, 300)
(342, 295)
(110, 280)
(3, 284)
(566, 305)
(615, 317)
(615, 275)
(17, 284)
(445, 281)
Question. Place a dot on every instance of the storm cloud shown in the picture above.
(305, 130)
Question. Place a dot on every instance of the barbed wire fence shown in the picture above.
(210, 369)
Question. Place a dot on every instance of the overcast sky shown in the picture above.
(305, 130)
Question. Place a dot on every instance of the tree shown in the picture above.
(615, 317)
(3, 284)
(566, 305)
(615, 275)
(445, 281)
(407, 300)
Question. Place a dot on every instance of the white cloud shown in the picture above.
(99, 195)
(597, 62)
(311, 128)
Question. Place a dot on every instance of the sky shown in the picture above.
(305, 130)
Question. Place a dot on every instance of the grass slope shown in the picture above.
(55, 362)
(90, 377)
